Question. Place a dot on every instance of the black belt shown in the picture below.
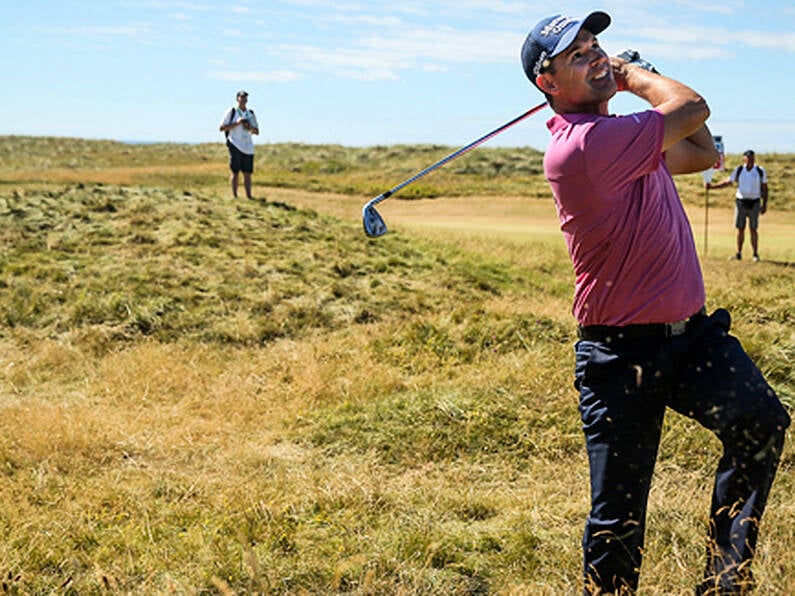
(608, 333)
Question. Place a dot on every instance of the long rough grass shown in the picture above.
(200, 395)
(360, 171)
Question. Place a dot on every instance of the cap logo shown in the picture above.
(541, 62)
(557, 25)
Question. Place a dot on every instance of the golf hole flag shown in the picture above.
(721, 163)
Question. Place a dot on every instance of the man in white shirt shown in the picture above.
(751, 181)
(239, 124)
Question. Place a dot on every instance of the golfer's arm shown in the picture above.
(694, 153)
(686, 138)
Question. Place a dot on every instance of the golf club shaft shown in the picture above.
(456, 154)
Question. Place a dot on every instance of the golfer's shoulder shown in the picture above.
(634, 120)
(627, 129)
(610, 124)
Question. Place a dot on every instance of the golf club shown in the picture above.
(372, 221)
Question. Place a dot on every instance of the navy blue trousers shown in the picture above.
(625, 388)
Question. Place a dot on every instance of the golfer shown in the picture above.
(239, 123)
(646, 342)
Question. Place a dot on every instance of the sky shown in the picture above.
(363, 73)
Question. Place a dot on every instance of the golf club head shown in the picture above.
(374, 225)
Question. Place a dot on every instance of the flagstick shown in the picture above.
(706, 220)
(707, 176)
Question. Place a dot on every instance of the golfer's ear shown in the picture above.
(546, 83)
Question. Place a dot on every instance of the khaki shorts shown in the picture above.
(744, 210)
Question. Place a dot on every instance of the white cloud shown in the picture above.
(459, 8)
(347, 62)
(725, 7)
(784, 41)
(701, 43)
(364, 19)
(100, 30)
(236, 33)
(275, 76)
(449, 45)
(384, 57)
(656, 50)
(376, 41)
(499, 6)
(167, 5)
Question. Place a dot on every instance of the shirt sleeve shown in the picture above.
(228, 116)
(621, 149)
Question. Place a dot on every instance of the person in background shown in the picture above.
(751, 200)
(646, 342)
(239, 124)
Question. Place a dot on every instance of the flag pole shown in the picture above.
(706, 221)
(707, 175)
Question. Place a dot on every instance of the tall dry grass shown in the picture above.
(200, 395)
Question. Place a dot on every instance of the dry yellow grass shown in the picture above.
(199, 395)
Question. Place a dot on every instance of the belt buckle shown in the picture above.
(677, 328)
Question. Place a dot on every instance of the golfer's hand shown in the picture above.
(619, 72)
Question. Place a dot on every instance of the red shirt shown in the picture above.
(628, 236)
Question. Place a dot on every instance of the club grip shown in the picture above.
(633, 57)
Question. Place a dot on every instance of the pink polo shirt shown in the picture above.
(628, 236)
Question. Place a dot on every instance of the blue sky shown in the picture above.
(361, 73)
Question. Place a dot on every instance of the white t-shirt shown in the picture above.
(239, 136)
(749, 185)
